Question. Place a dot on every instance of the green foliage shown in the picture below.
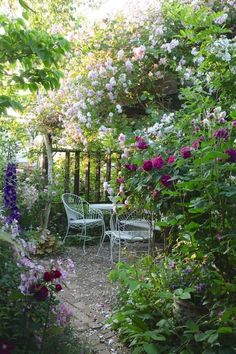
(29, 59)
(169, 305)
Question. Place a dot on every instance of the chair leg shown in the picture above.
(67, 231)
(84, 243)
(111, 247)
(103, 235)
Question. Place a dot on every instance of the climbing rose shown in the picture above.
(166, 181)
(147, 165)
(171, 160)
(56, 274)
(48, 276)
(140, 143)
(58, 287)
(131, 167)
(157, 162)
(221, 133)
(186, 152)
(232, 155)
(40, 292)
(195, 144)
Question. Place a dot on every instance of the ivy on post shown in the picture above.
(108, 171)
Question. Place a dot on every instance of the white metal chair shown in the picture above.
(81, 215)
(128, 228)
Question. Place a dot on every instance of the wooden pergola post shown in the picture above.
(98, 178)
(87, 178)
(67, 173)
(77, 173)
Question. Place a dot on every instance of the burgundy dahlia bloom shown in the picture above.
(221, 133)
(185, 152)
(166, 181)
(232, 155)
(147, 165)
(157, 162)
(131, 167)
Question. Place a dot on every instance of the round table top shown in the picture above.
(104, 206)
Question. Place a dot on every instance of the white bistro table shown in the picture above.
(103, 207)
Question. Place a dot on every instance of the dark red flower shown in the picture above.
(195, 144)
(6, 347)
(221, 133)
(155, 194)
(186, 152)
(131, 167)
(157, 162)
(40, 292)
(147, 165)
(120, 180)
(171, 160)
(140, 143)
(58, 287)
(166, 181)
(48, 276)
(56, 274)
(232, 155)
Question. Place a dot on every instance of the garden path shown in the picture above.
(93, 296)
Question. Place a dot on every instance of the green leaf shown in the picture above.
(211, 156)
(150, 348)
(25, 5)
(185, 296)
(155, 336)
(213, 338)
(200, 337)
(233, 114)
(224, 330)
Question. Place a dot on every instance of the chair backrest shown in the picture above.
(134, 221)
(74, 206)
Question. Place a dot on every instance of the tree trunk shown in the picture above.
(47, 210)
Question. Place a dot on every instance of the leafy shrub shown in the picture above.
(175, 305)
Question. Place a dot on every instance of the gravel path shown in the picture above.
(93, 296)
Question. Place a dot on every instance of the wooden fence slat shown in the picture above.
(67, 173)
(98, 178)
(87, 178)
(77, 173)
